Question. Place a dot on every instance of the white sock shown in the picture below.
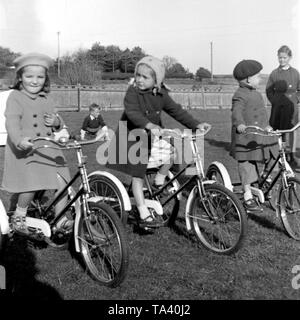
(144, 211)
(247, 195)
(159, 179)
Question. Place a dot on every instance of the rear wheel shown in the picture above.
(218, 220)
(170, 209)
(103, 244)
(289, 207)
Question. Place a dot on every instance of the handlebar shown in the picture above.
(262, 132)
(63, 143)
(177, 134)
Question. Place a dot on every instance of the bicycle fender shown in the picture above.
(225, 174)
(4, 224)
(119, 184)
(188, 206)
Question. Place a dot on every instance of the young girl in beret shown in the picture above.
(283, 91)
(248, 108)
(144, 102)
(30, 114)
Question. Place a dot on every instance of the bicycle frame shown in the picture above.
(199, 177)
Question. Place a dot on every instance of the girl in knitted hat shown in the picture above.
(283, 91)
(29, 114)
(144, 102)
(248, 108)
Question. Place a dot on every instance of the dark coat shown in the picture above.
(248, 108)
(283, 89)
(142, 107)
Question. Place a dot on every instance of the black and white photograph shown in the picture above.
(149, 153)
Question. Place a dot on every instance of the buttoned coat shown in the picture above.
(284, 83)
(25, 172)
(140, 108)
(248, 108)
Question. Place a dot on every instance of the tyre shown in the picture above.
(289, 207)
(218, 220)
(170, 209)
(59, 238)
(103, 245)
(105, 188)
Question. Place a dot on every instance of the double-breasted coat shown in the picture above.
(142, 107)
(248, 108)
(24, 172)
(283, 91)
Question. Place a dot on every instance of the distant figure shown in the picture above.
(283, 91)
(93, 124)
(248, 108)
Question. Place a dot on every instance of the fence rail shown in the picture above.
(77, 98)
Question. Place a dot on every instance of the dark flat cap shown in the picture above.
(246, 68)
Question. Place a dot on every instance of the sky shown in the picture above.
(213, 34)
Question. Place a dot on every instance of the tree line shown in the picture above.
(90, 66)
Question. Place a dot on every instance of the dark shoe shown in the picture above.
(150, 222)
(252, 206)
(18, 224)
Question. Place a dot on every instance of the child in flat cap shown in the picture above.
(29, 114)
(144, 102)
(283, 91)
(248, 108)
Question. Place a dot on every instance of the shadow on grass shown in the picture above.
(20, 266)
(264, 222)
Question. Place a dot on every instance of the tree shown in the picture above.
(168, 62)
(178, 71)
(202, 73)
(112, 58)
(97, 55)
(7, 57)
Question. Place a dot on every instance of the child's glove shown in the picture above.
(203, 126)
(51, 120)
(155, 129)
(241, 128)
(25, 143)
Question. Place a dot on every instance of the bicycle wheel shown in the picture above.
(109, 192)
(103, 244)
(218, 220)
(170, 209)
(289, 207)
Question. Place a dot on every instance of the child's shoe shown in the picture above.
(18, 224)
(252, 206)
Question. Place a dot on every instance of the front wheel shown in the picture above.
(103, 244)
(289, 207)
(218, 219)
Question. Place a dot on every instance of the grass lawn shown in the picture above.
(166, 264)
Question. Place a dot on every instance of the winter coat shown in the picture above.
(284, 85)
(142, 107)
(24, 172)
(248, 108)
